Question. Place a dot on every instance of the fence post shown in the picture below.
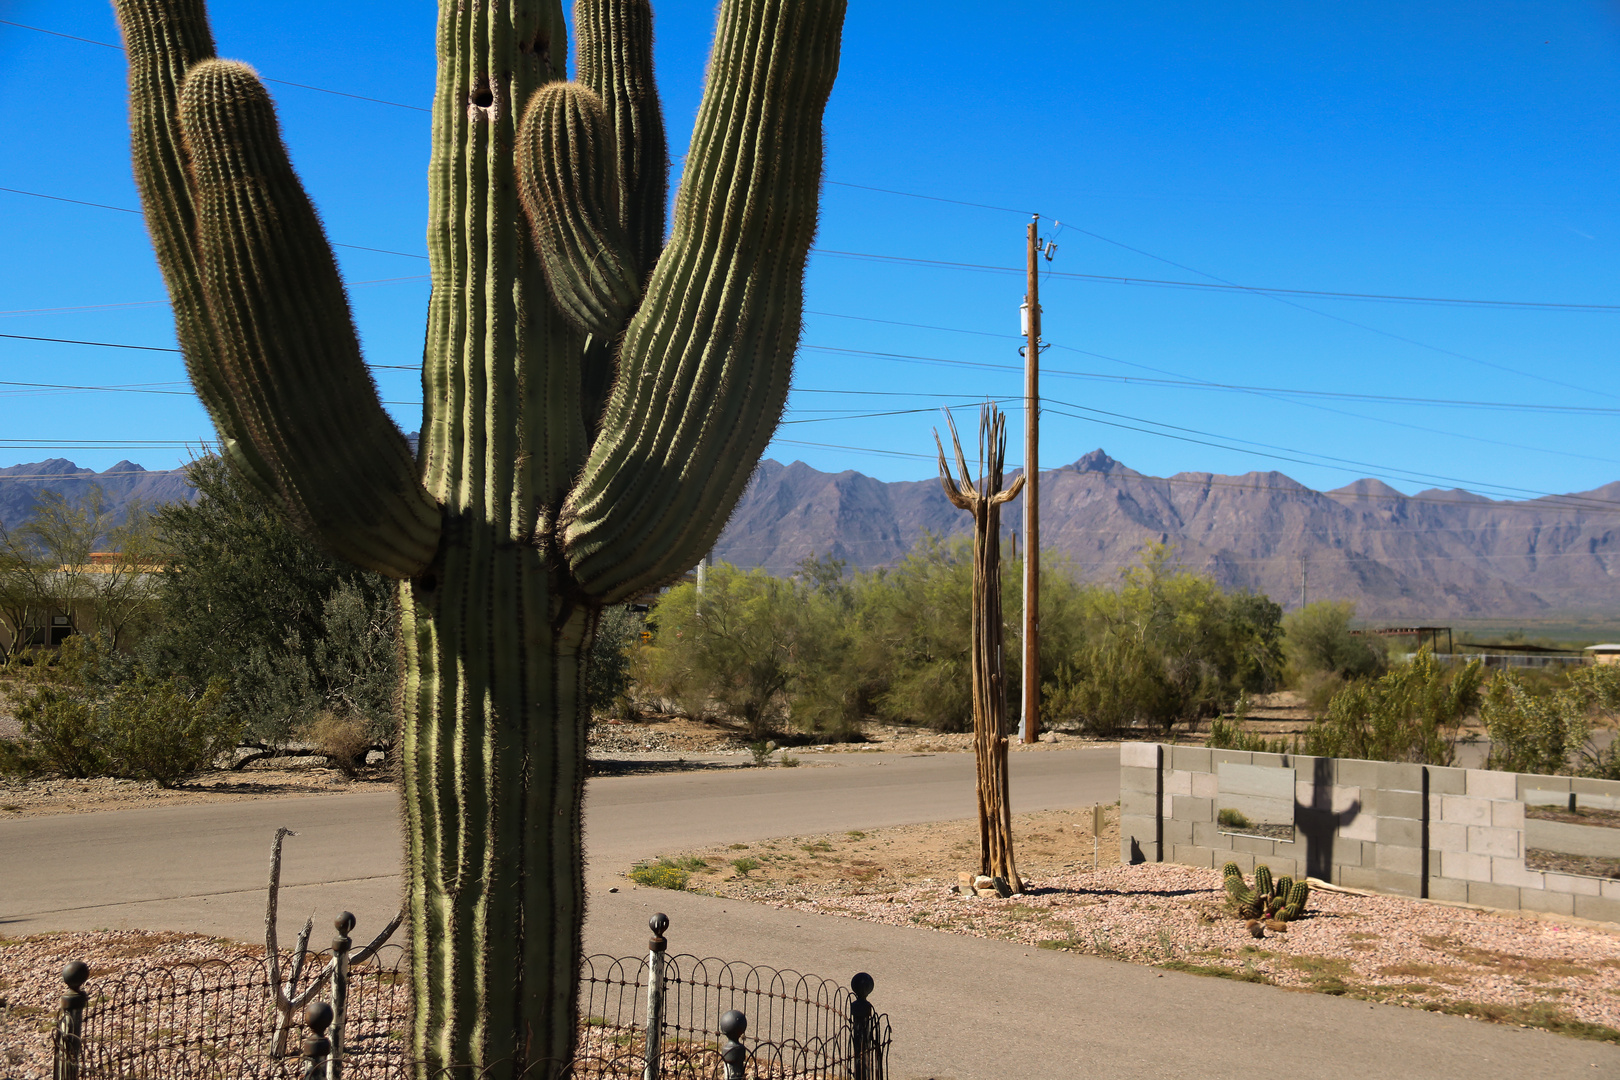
(732, 1051)
(70, 1025)
(860, 1028)
(340, 992)
(655, 994)
(317, 1046)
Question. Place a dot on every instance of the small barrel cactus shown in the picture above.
(1262, 880)
(1231, 870)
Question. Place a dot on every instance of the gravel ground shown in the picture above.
(1494, 965)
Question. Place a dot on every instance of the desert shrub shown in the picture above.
(86, 711)
(1412, 713)
(662, 874)
(343, 737)
(608, 676)
(1231, 734)
(1534, 733)
(1167, 646)
(1317, 638)
(1232, 819)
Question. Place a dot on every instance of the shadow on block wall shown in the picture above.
(1320, 822)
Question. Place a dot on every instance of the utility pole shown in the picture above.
(1304, 575)
(1031, 726)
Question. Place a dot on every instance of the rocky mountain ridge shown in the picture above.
(1430, 557)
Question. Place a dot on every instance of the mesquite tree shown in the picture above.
(983, 500)
(595, 400)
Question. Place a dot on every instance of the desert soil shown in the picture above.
(1508, 967)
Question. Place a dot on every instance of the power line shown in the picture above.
(279, 82)
(1229, 387)
(131, 210)
(1218, 286)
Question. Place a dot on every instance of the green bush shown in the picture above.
(1232, 819)
(1533, 733)
(1231, 734)
(85, 713)
(1412, 713)
(745, 864)
(1319, 639)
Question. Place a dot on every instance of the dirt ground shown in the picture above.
(1562, 975)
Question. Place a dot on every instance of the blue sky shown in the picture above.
(1430, 150)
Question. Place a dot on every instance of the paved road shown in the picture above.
(963, 1008)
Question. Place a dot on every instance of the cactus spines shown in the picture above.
(1262, 880)
(593, 405)
(1232, 870)
(1299, 894)
(1284, 884)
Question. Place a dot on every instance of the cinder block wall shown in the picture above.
(1411, 830)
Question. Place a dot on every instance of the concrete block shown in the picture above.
(1364, 826)
(1402, 860)
(1192, 855)
(1348, 852)
(1400, 804)
(1487, 894)
(1500, 843)
(1166, 805)
(1133, 850)
(1447, 781)
(1611, 889)
(1465, 811)
(1586, 785)
(1399, 884)
(1235, 757)
(1355, 877)
(1353, 773)
(1486, 784)
(1577, 886)
(1255, 845)
(1398, 776)
(1507, 815)
(1461, 866)
(1542, 900)
(1446, 889)
(1208, 834)
(1597, 907)
(1187, 808)
(1178, 782)
(1177, 832)
(1404, 832)
(1138, 825)
(1139, 804)
(1369, 800)
(1444, 836)
(1139, 755)
(1282, 866)
(1512, 872)
(1206, 785)
(1194, 759)
(1529, 782)
(1329, 798)
(1133, 778)
(1270, 761)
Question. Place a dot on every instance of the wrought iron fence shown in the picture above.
(708, 1018)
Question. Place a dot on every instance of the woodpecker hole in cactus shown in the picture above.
(483, 97)
(538, 46)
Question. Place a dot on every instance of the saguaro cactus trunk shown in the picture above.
(983, 500)
(595, 400)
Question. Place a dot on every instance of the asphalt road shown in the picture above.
(962, 1008)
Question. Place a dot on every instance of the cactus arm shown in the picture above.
(163, 39)
(503, 431)
(568, 182)
(706, 362)
(285, 344)
(616, 61)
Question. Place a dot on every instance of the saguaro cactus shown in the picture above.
(595, 401)
(983, 499)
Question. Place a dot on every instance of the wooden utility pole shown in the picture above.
(1032, 534)
(983, 499)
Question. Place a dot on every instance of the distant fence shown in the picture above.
(1500, 660)
(216, 1020)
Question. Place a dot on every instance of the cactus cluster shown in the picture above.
(595, 399)
(1282, 899)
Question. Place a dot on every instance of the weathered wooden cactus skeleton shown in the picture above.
(983, 499)
(594, 401)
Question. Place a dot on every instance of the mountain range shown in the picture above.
(1429, 557)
